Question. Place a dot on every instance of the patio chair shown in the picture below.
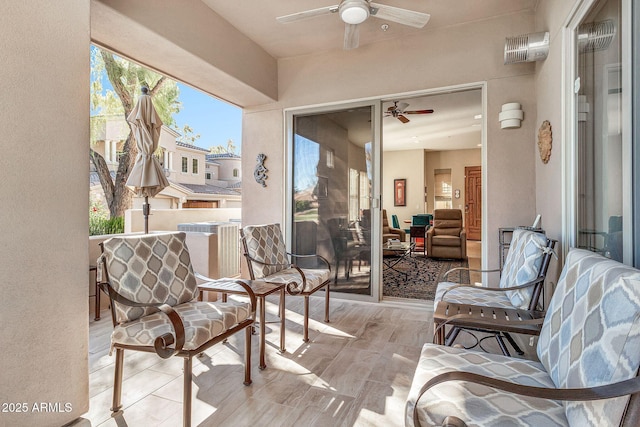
(521, 283)
(152, 287)
(267, 259)
(589, 352)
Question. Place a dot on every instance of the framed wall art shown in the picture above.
(400, 192)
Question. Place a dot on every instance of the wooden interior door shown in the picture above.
(473, 202)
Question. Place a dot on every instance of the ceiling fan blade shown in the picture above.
(401, 16)
(418, 112)
(351, 36)
(402, 105)
(299, 16)
(403, 119)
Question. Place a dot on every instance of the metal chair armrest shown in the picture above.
(618, 389)
(510, 288)
(161, 344)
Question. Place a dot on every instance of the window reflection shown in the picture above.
(600, 133)
(331, 188)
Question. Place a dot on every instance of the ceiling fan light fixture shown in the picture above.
(354, 11)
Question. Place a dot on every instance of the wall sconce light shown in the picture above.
(511, 115)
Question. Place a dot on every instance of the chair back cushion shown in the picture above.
(522, 265)
(385, 222)
(265, 244)
(421, 219)
(591, 333)
(151, 268)
(447, 222)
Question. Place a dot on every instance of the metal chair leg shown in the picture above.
(247, 356)
(326, 304)
(503, 347)
(305, 337)
(515, 345)
(186, 404)
(117, 381)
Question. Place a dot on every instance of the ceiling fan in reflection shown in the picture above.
(399, 109)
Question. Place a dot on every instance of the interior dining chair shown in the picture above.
(152, 286)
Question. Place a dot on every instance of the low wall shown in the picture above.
(168, 219)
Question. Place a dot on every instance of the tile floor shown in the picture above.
(355, 371)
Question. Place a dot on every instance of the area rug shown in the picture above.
(418, 277)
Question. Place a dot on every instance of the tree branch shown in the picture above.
(103, 174)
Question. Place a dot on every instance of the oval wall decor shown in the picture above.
(544, 141)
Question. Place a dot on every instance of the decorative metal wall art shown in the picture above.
(260, 172)
(544, 141)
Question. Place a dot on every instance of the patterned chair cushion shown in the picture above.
(522, 265)
(152, 268)
(203, 321)
(474, 295)
(591, 333)
(265, 244)
(314, 278)
(475, 404)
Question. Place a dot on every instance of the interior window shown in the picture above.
(442, 190)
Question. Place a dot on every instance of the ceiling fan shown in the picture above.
(355, 12)
(398, 110)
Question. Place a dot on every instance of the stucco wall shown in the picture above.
(429, 60)
(44, 253)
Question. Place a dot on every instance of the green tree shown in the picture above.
(220, 149)
(187, 135)
(126, 78)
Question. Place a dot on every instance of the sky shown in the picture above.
(216, 121)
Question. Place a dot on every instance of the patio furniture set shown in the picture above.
(152, 287)
(588, 346)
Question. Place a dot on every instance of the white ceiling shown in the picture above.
(451, 126)
(257, 20)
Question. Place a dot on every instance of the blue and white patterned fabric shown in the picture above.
(522, 265)
(475, 404)
(590, 337)
(473, 295)
(591, 333)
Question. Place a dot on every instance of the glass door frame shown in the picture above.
(376, 190)
(570, 148)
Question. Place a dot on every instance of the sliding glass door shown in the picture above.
(603, 132)
(332, 188)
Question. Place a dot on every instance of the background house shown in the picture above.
(185, 165)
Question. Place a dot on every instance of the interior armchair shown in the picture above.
(268, 259)
(388, 232)
(152, 287)
(447, 238)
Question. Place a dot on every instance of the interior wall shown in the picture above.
(432, 59)
(407, 164)
(44, 270)
(456, 160)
